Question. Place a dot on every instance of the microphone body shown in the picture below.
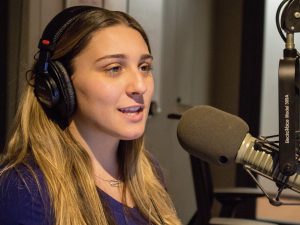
(221, 138)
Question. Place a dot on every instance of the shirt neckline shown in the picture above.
(113, 201)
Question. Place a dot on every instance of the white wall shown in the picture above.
(272, 52)
(193, 50)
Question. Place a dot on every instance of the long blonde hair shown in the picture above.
(65, 164)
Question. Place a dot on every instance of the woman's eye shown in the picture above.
(146, 68)
(114, 70)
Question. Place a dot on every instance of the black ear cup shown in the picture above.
(46, 91)
(55, 91)
(66, 103)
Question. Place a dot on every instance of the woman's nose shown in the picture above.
(137, 83)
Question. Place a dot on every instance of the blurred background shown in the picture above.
(216, 52)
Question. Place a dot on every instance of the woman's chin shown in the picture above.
(132, 136)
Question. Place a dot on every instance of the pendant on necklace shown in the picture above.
(114, 183)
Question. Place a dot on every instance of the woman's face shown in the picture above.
(113, 84)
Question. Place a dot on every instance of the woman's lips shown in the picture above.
(133, 113)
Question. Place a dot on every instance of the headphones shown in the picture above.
(53, 87)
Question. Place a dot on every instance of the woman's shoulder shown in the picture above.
(24, 197)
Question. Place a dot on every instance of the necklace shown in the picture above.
(112, 182)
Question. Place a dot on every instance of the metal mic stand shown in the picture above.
(288, 85)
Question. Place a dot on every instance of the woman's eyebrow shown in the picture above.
(146, 56)
(115, 56)
(123, 56)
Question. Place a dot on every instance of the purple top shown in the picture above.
(123, 215)
(22, 204)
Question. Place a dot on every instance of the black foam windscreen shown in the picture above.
(211, 134)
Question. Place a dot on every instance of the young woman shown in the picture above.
(75, 154)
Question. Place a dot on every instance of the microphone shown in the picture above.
(221, 138)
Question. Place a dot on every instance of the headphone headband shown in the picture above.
(57, 26)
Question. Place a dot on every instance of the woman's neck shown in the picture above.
(101, 148)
